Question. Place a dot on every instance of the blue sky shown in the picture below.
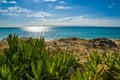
(22, 13)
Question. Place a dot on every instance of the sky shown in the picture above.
(29, 13)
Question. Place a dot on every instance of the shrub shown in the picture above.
(29, 60)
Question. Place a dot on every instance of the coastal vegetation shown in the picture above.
(30, 60)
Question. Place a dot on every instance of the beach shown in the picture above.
(79, 47)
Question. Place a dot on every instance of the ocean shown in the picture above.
(51, 33)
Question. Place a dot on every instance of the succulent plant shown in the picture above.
(30, 60)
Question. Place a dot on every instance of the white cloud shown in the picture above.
(61, 2)
(3, 1)
(109, 6)
(12, 2)
(113, 4)
(14, 11)
(81, 20)
(78, 21)
(77, 18)
(3, 11)
(50, 0)
(39, 15)
(18, 9)
(10, 14)
(63, 7)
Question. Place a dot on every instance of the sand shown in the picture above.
(79, 47)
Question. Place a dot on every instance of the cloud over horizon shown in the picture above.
(74, 21)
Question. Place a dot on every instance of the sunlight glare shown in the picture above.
(36, 29)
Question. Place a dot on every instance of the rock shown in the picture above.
(101, 43)
(73, 38)
(79, 47)
(54, 43)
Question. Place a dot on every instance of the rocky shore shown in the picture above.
(79, 47)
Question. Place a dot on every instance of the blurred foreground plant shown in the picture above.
(104, 67)
(29, 60)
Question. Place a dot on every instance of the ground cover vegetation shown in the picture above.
(30, 60)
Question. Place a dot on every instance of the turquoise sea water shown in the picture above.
(50, 33)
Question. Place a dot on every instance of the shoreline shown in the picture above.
(64, 38)
(80, 47)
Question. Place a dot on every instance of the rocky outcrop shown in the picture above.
(82, 47)
(79, 47)
(101, 43)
